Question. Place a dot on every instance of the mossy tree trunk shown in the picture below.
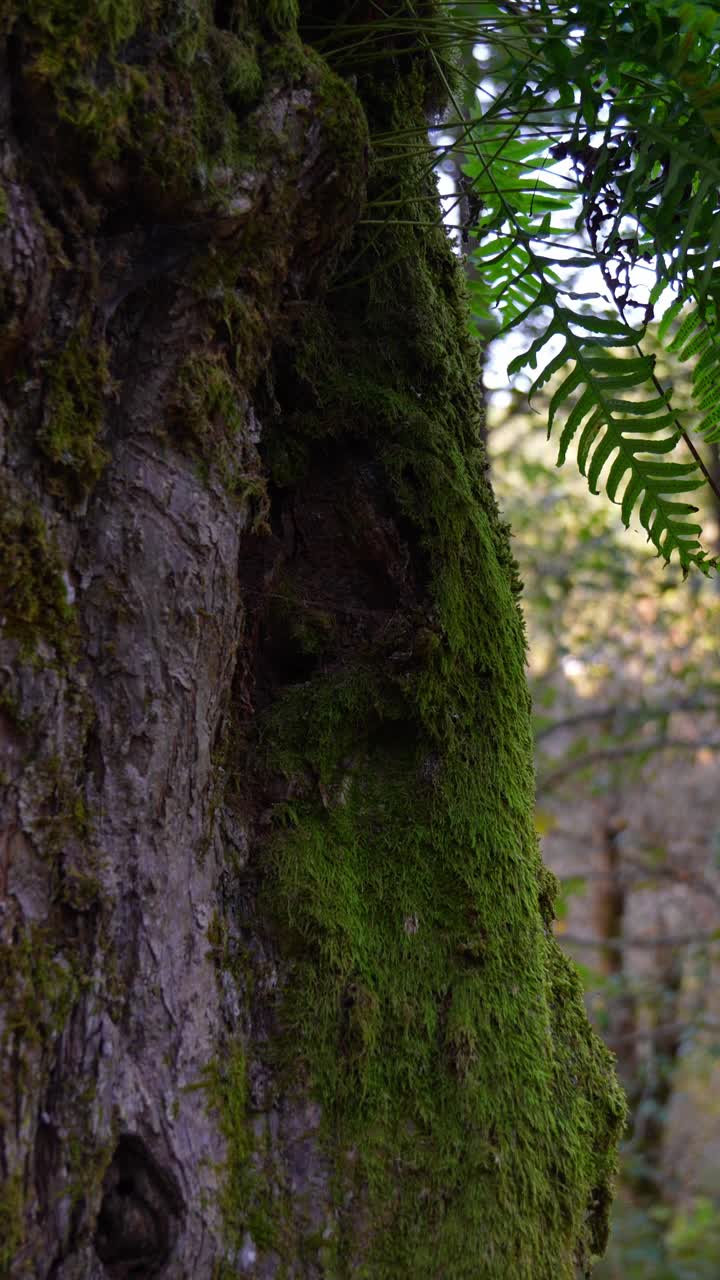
(280, 995)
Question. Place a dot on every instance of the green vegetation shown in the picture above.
(172, 121)
(210, 418)
(12, 1202)
(225, 1086)
(246, 1200)
(281, 14)
(65, 836)
(41, 980)
(33, 597)
(69, 437)
(41, 989)
(638, 206)
(439, 1024)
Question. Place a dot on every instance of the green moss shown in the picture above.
(240, 283)
(12, 1227)
(86, 1160)
(77, 27)
(245, 1196)
(41, 987)
(390, 42)
(160, 101)
(77, 384)
(305, 629)
(281, 15)
(208, 416)
(344, 124)
(65, 836)
(33, 597)
(207, 402)
(66, 41)
(443, 1030)
(345, 127)
(42, 979)
(434, 1014)
(238, 60)
(229, 953)
(11, 709)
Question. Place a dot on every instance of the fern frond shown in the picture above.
(696, 337)
(630, 437)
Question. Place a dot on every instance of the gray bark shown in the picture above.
(113, 833)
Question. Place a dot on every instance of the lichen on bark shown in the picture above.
(281, 993)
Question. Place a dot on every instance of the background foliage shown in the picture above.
(586, 137)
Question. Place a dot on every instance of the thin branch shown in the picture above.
(625, 713)
(642, 872)
(622, 944)
(665, 1029)
(617, 753)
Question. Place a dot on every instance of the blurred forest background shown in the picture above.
(626, 690)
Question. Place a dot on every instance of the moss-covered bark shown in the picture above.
(281, 995)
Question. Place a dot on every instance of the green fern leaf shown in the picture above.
(697, 336)
(604, 401)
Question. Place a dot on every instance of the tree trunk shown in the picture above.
(280, 993)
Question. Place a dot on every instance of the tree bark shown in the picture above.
(280, 996)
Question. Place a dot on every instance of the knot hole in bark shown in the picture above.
(139, 1215)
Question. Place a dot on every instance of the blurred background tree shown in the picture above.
(627, 715)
